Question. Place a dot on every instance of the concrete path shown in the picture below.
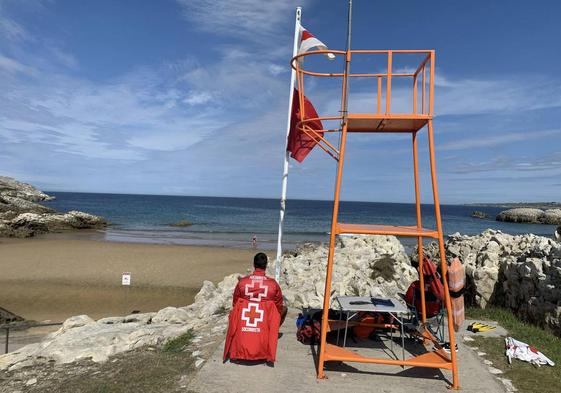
(295, 371)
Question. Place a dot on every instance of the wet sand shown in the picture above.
(52, 279)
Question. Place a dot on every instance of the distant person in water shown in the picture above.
(257, 312)
(254, 241)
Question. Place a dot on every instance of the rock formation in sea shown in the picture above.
(22, 216)
(521, 272)
(479, 214)
(531, 215)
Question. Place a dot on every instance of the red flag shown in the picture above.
(299, 143)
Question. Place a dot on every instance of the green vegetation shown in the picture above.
(179, 343)
(526, 377)
(221, 311)
(140, 371)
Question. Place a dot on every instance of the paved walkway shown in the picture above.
(295, 371)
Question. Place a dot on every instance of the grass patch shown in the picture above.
(221, 311)
(526, 377)
(139, 371)
(179, 343)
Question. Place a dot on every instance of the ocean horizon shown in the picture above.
(233, 221)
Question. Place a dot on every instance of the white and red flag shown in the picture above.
(309, 42)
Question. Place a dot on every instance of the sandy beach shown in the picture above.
(52, 278)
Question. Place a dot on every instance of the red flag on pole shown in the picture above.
(301, 143)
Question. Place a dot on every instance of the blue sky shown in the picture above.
(189, 97)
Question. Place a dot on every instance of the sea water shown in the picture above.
(232, 222)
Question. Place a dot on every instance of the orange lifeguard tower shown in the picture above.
(382, 119)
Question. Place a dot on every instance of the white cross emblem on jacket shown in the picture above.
(256, 293)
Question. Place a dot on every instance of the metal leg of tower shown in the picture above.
(419, 225)
(330, 257)
(443, 263)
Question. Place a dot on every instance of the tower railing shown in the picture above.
(420, 93)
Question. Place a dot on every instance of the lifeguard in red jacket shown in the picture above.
(257, 312)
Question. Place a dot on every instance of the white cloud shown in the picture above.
(238, 81)
(276, 69)
(63, 57)
(516, 93)
(12, 66)
(255, 20)
(496, 140)
(198, 97)
(548, 162)
(9, 28)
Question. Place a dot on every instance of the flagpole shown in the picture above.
(286, 153)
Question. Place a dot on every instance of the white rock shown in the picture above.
(171, 315)
(76, 321)
(494, 370)
(31, 381)
(508, 385)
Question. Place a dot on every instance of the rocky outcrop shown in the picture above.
(10, 187)
(369, 265)
(366, 266)
(531, 215)
(479, 214)
(22, 216)
(522, 273)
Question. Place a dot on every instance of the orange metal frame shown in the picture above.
(420, 116)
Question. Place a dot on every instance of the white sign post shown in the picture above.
(126, 279)
(126, 284)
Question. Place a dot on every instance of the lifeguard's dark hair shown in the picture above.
(260, 261)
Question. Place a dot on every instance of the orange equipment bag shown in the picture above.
(369, 319)
(456, 284)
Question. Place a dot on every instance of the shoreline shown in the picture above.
(189, 239)
(53, 277)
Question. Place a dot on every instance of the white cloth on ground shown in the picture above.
(522, 351)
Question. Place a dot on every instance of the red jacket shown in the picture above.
(257, 287)
(253, 329)
(253, 324)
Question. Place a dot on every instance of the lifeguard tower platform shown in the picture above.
(416, 121)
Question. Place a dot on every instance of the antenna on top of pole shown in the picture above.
(345, 101)
(349, 24)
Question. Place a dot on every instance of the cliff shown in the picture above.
(21, 214)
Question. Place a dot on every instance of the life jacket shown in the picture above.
(456, 285)
(413, 298)
(434, 291)
(253, 329)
